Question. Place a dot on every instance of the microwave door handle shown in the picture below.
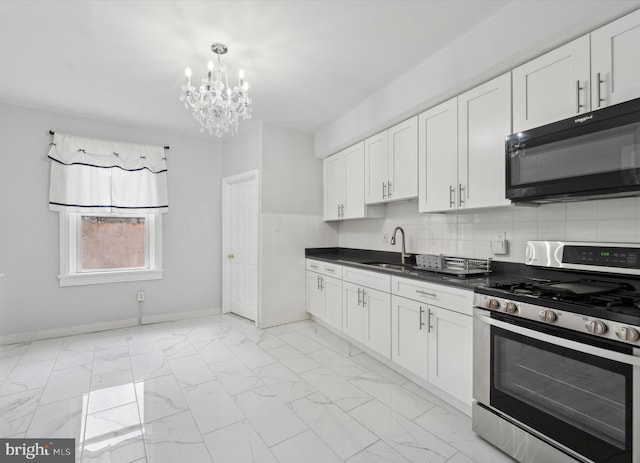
(577, 346)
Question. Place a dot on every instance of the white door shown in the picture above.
(484, 120)
(614, 60)
(332, 292)
(450, 352)
(353, 200)
(377, 322)
(333, 186)
(409, 342)
(438, 157)
(552, 87)
(315, 297)
(403, 160)
(376, 175)
(352, 310)
(240, 244)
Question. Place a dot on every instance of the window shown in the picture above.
(109, 248)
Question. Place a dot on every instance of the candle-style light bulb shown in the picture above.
(188, 74)
(210, 65)
(245, 86)
(241, 75)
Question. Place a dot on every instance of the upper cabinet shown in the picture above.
(344, 185)
(461, 149)
(615, 68)
(552, 87)
(594, 71)
(390, 163)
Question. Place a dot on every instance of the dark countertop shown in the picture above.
(358, 258)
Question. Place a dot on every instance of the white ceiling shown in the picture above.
(307, 62)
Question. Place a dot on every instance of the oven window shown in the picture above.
(579, 400)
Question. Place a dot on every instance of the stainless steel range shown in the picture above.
(557, 359)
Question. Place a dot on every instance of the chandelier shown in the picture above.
(215, 104)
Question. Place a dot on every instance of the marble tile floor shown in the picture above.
(218, 390)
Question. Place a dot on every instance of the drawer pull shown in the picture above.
(359, 300)
(313, 266)
(419, 291)
(328, 269)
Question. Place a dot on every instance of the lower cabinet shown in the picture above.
(324, 298)
(409, 335)
(366, 317)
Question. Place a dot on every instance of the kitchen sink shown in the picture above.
(386, 266)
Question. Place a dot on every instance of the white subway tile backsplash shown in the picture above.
(582, 230)
(613, 230)
(619, 208)
(525, 213)
(582, 210)
(525, 231)
(552, 212)
(552, 230)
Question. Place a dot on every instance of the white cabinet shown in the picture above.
(324, 292)
(315, 297)
(553, 86)
(615, 68)
(461, 149)
(344, 185)
(366, 315)
(409, 339)
(391, 161)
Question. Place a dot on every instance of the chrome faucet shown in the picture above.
(403, 252)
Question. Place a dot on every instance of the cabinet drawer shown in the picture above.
(373, 280)
(460, 300)
(325, 268)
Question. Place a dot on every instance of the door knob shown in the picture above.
(230, 256)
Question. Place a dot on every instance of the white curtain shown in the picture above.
(89, 175)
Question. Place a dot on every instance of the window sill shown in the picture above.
(96, 278)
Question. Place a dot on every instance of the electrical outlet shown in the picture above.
(140, 296)
(385, 238)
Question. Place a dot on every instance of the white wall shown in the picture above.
(517, 33)
(242, 152)
(31, 299)
(468, 234)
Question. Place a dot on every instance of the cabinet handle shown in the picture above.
(359, 300)
(329, 269)
(384, 193)
(363, 299)
(318, 282)
(420, 322)
(338, 210)
(341, 210)
(452, 198)
(388, 190)
(578, 105)
(429, 325)
(313, 266)
(419, 291)
(321, 283)
(461, 195)
(599, 82)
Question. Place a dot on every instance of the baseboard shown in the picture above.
(103, 326)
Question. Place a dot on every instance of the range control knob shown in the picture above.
(548, 316)
(492, 304)
(626, 333)
(595, 327)
(510, 307)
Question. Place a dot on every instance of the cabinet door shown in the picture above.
(438, 157)
(354, 182)
(484, 120)
(377, 321)
(614, 59)
(333, 171)
(409, 342)
(332, 288)
(352, 310)
(450, 352)
(315, 297)
(403, 160)
(552, 87)
(376, 175)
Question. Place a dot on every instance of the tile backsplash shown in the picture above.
(469, 233)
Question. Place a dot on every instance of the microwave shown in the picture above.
(588, 156)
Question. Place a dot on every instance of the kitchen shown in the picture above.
(288, 224)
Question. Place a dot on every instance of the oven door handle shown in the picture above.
(573, 345)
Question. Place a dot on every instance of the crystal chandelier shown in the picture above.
(215, 104)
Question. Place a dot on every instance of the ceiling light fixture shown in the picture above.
(215, 105)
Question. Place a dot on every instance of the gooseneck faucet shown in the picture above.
(403, 252)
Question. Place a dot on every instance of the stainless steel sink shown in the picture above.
(386, 266)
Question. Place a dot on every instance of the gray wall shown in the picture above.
(30, 296)
(242, 152)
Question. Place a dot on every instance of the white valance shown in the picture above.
(90, 175)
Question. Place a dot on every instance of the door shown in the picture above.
(409, 342)
(353, 182)
(240, 244)
(615, 69)
(333, 186)
(352, 310)
(552, 87)
(315, 297)
(332, 289)
(484, 120)
(377, 321)
(438, 157)
(376, 175)
(403, 160)
(450, 352)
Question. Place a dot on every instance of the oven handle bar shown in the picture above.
(573, 345)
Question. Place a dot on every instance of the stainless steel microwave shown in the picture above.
(588, 156)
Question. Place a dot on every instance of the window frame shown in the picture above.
(70, 241)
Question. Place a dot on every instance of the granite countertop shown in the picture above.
(358, 258)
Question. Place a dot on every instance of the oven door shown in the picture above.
(577, 393)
